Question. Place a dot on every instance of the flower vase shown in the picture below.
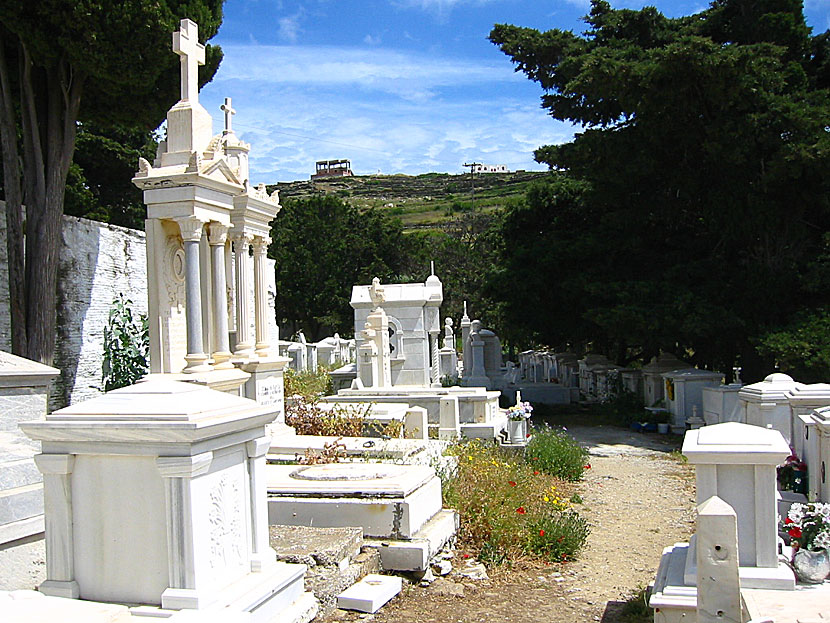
(811, 567)
(516, 431)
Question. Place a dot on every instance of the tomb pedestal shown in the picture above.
(766, 403)
(684, 394)
(155, 495)
(266, 386)
(736, 462)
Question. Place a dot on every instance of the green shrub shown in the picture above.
(126, 345)
(309, 384)
(554, 452)
(557, 536)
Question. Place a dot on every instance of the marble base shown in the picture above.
(386, 500)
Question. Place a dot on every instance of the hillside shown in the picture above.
(419, 200)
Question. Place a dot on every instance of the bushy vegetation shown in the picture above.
(509, 509)
(553, 451)
(126, 345)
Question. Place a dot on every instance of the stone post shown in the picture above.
(261, 552)
(217, 237)
(434, 370)
(718, 585)
(241, 245)
(178, 473)
(191, 231)
(465, 333)
(260, 244)
(60, 540)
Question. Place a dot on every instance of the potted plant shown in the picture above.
(809, 528)
(517, 417)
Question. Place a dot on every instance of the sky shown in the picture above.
(395, 86)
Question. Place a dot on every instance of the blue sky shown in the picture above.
(396, 86)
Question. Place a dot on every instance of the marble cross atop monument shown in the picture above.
(229, 113)
(186, 45)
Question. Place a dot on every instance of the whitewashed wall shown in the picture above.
(97, 261)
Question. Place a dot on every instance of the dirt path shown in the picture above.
(638, 500)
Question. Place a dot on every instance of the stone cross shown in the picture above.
(376, 293)
(229, 112)
(186, 44)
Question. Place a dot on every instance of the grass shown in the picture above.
(635, 609)
(509, 509)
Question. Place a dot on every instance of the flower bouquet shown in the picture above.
(809, 528)
(519, 412)
(518, 415)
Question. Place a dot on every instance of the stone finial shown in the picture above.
(144, 167)
(376, 293)
(229, 113)
(186, 44)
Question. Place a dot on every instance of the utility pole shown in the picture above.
(473, 166)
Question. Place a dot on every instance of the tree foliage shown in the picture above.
(322, 247)
(60, 63)
(692, 205)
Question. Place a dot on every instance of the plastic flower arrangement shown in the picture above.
(809, 525)
(520, 411)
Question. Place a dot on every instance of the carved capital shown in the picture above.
(190, 228)
(184, 466)
(260, 245)
(217, 233)
(241, 241)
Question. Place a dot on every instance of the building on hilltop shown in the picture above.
(332, 168)
(490, 168)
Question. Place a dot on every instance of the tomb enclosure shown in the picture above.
(684, 395)
(767, 403)
(413, 328)
(155, 497)
(654, 392)
(207, 236)
(24, 393)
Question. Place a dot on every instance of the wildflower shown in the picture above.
(512, 483)
(586, 466)
(541, 533)
(546, 499)
(466, 555)
(536, 473)
(521, 510)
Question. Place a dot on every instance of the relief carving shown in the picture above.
(174, 271)
(225, 521)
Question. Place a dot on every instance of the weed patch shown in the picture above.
(554, 452)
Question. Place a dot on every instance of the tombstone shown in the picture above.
(587, 379)
(447, 355)
(684, 394)
(155, 494)
(737, 462)
(328, 351)
(721, 404)
(203, 217)
(465, 330)
(476, 376)
(632, 381)
(413, 329)
(767, 403)
(719, 586)
(374, 353)
(493, 362)
(24, 396)
(653, 382)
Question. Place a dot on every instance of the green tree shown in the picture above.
(323, 247)
(61, 63)
(702, 160)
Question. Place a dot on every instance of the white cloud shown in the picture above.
(289, 28)
(383, 109)
(370, 40)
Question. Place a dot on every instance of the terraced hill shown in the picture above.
(420, 200)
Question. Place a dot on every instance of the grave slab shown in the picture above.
(370, 593)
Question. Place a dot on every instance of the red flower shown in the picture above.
(527, 436)
(535, 458)
(795, 533)
(512, 483)
(466, 555)
(788, 520)
(536, 473)
(586, 466)
(541, 533)
(521, 510)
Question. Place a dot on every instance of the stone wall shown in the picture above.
(97, 261)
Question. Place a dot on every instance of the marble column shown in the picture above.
(191, 231)
(261, 552)
(178, 473)
(241, 245)
(260, 245)
(60, 540)
(218, 236)
(434, 370)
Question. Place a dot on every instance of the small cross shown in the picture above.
(229, 112)
(186, 44)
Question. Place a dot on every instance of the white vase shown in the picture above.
(516, 431)
(811, 567)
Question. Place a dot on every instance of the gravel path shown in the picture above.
(638, 499)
